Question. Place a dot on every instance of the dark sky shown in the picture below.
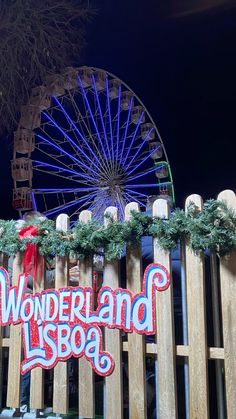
(184, 71)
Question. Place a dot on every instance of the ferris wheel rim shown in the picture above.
(134, 95)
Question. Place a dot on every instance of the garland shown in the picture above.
(214, 228)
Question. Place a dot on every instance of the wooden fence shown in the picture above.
(195, 379)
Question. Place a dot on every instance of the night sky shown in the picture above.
(184, 70)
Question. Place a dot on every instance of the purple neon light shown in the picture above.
(33, 201)
(71, 204)
(67, 154)
(117, 202)
(100, 111)
(148, 155)
(126, 127)
(135, 199)
(133, 138)
(147, 185)
(137, 193)
(54, 190)
(137, 152)
(91, 114)
(121, 206)
(88, 178)
(118, 123)
(109, 114)
(77, 130)
(53, 157)
(153, 169)
(72, 142)
(96, 213)
(54, 167)
(122, 211)
(97, 206)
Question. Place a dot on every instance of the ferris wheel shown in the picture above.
(86, 141)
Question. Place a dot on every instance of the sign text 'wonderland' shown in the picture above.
(60, 323)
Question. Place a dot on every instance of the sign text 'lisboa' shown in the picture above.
(58, 324)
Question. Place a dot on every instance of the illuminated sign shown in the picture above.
(60, 323)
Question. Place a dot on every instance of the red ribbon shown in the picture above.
(30, 258)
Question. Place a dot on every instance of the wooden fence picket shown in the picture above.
(136, 347)
(113, 383)
(4, 264)
(228, 299)
(165, 330)
(198, 356)
(60, 382)
(14, 375)
(86, 375)
(37, 374)
(1, 366)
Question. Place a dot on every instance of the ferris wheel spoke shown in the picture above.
(133, 198)
(87, 128)
(118, 123)
(76, 147)
(70, 204)
(44, 129)
(102, 196)
(80, 118)
(76, 213)
(126, 127)
(121, 205)
(62, 152)
(58, 168)
(59, 175)
(136, 193)
(33, 201)
(143, 161)
(142, 185)
(98, 210)
(82, 165)
(92, 117)
(133, 136)
(53, 166)
(101, 116)
(54, 124)
(85, 204)
(150, 185)
(64, 190)
(87, 118)
(139, 149)
(52, 157)
(106, 164)
(78, 132)
(144, 173)
(109, 116)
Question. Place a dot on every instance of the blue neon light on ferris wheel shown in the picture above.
(96, 146)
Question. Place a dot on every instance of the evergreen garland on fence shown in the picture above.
(214, 228)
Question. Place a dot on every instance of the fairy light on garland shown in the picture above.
(214, 228)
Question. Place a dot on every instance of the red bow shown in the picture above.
(30, 258)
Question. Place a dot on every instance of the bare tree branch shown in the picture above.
(36, 38)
